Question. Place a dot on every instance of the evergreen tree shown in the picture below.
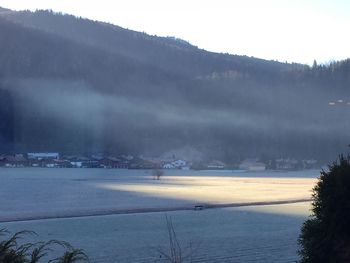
(325, 236)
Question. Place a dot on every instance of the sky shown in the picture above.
(285, 30)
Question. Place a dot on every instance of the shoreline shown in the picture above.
(109, 212)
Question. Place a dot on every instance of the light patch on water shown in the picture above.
(205, 189)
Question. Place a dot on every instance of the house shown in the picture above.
(61, 164)
(252, 165)
(173, 164)
(287, 164)
(21, 160)
(179, 163)
(113, 162)
(169, 166)
(139, 163)
(42, 156)
(17, 160)
(216, 165)
(78, 161)
(77, 164)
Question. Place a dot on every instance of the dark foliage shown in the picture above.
(12, 250)
(325, 237)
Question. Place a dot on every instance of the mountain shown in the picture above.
(5, 10)
(167, 53)
(79, 86)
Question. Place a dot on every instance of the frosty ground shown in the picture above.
(244, 234)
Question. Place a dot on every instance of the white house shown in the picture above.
(179, 163)
(168, 166)
(216, 165)
(77, 164)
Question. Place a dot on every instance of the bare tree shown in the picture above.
(175, 253)
(157, 174)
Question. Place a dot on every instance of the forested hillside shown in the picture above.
(78, 86)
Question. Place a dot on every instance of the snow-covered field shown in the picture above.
(241, 234)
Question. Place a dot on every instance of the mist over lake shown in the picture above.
(184, 131)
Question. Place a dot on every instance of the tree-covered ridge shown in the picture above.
(164, 52)
(71, 84)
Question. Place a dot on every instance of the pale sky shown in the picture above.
(284, 30)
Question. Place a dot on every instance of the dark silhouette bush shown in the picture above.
(14, 251)
(325, 236)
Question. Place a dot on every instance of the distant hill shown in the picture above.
(165, 52)
(75, 85)
(4, 9)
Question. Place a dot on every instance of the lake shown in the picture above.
(127, 233)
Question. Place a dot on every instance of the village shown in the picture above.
(56, 160)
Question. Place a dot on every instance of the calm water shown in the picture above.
(217, 235)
